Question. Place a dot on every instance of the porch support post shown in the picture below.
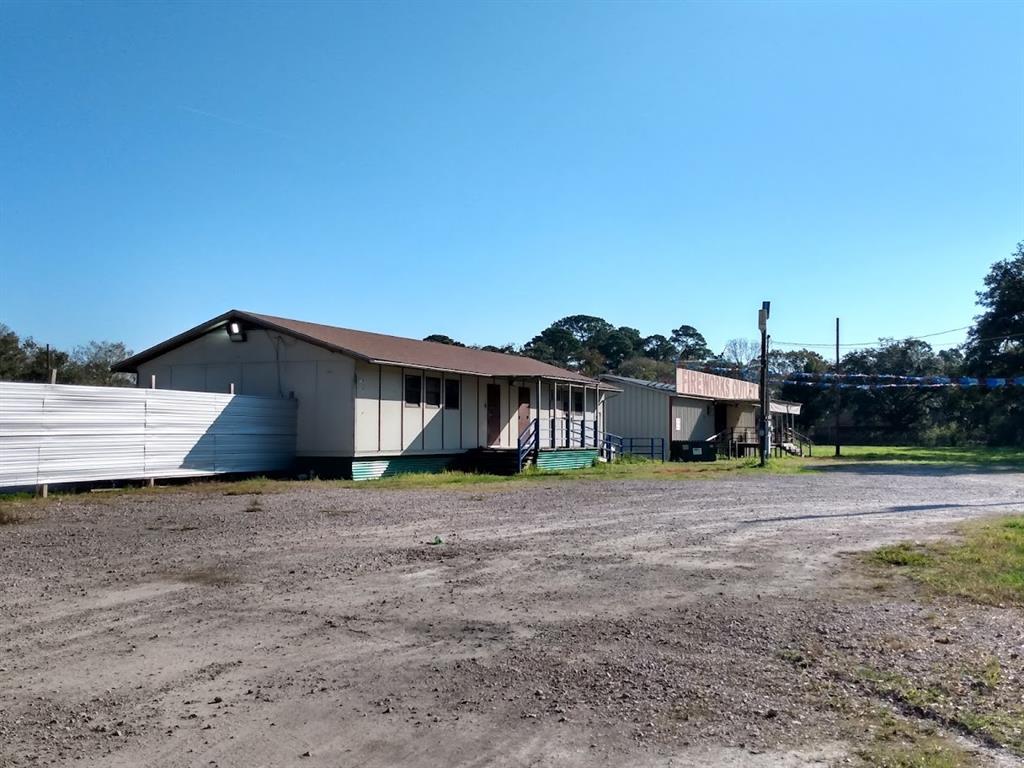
(536, 436)
(568, 421)
(554, 412)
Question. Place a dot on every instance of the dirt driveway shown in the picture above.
(563, 623)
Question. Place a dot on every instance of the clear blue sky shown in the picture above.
(482, 169)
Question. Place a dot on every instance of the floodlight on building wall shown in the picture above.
(235, 332)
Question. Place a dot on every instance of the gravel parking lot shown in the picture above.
(565, 623)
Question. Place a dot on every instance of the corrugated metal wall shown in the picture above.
(62, 433)
(692, 419)
(566, 459)
(638, 411)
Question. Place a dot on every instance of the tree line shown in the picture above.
(994, 347)
(25, 359)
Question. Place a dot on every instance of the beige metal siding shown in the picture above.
(272, 365)
(741, 417)
(433, 416)
(367, 407)
(470, 412)
(692, 419)
(451, 418)
(390, 411)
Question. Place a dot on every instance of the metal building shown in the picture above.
(700, 407)
(371, 404)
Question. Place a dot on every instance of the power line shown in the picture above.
(870, 343)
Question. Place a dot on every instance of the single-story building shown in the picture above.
(784, 432)
(700, 407)
(371, 405)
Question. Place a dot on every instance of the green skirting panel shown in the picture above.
(371, 469)
(568, 459)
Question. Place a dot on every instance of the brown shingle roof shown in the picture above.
(373, 347)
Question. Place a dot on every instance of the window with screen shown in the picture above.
(451, 394)
(432, 391)
(413, 391)
(563, 399)
(577, 402)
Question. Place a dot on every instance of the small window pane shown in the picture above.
(451, 394)
(563, 399)
(577, 402)
(433, 391)
(413, 385)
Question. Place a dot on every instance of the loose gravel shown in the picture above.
(706, 622)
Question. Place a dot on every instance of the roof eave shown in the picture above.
(130, 365)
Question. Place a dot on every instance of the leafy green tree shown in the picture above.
(690, 344)
(995, 345)
(12, 356)
(660, 348)
(616, 345)
(505, 349)
(440, 338)
(38, 363)
(783, 363)
(555, 345)
(583, 328)
(90, 364)
(649, 369)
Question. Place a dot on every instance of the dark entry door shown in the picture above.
(721, 417)
(524, 408)
(493, 414)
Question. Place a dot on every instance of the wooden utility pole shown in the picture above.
(838, 402)
(763, 434)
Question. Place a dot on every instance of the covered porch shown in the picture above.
(566, 429)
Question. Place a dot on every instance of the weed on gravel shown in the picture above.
(13, 516)
(896, 742)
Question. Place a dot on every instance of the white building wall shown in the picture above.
(390, 413)
(385, 425)
(271, 364)
(469, 413)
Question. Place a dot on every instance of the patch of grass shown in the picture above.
(924, 752)
(13, 516)
(985, 566)
(897, 742)
(988, 675)
(794, 657)
(969, 455)
(900, 554)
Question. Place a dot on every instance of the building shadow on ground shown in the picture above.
(898, 510)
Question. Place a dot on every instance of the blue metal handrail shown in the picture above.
(529, 440)
(652, 447)
(583, 433)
